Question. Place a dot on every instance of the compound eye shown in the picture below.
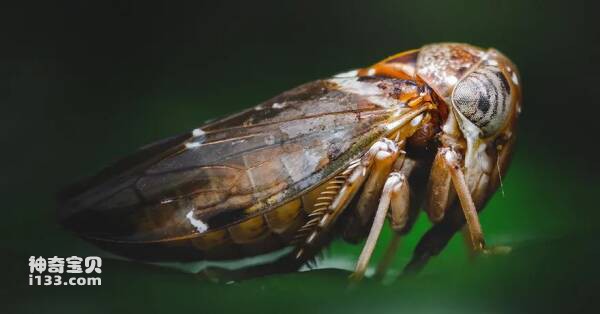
(484, 97)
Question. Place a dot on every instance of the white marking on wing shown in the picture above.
(198, 133)
(198, 139)
(278, 105)
(371, 91)
(192, 145)
(199, 224)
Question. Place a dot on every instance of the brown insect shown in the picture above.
(328, 158)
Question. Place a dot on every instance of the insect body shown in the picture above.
(429, 129)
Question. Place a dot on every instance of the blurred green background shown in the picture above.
(83, 84)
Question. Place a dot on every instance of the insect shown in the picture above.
(430, 129)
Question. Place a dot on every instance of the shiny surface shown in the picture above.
(236, 173)
(211, 194)
(92, 82)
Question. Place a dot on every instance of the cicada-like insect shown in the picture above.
(431, 129)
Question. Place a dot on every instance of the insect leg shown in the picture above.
(385, 151)
(438, 236)
(466, 237)
(401, 207)
(466, 201)
(392, 193)
(358, 221)
(440, 194)
(388, 257)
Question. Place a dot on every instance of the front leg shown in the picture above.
(473, 229)
(466, 201)
(438, 236)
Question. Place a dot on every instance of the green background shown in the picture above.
(83, 84)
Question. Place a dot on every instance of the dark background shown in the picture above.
(82, 84)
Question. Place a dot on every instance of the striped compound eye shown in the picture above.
(484, 97)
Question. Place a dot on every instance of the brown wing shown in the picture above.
(231, 169)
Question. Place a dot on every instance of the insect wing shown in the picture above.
(229, 170)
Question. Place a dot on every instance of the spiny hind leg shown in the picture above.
(357, 221)
(378, 159)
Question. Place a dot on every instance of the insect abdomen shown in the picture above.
(259, 234)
